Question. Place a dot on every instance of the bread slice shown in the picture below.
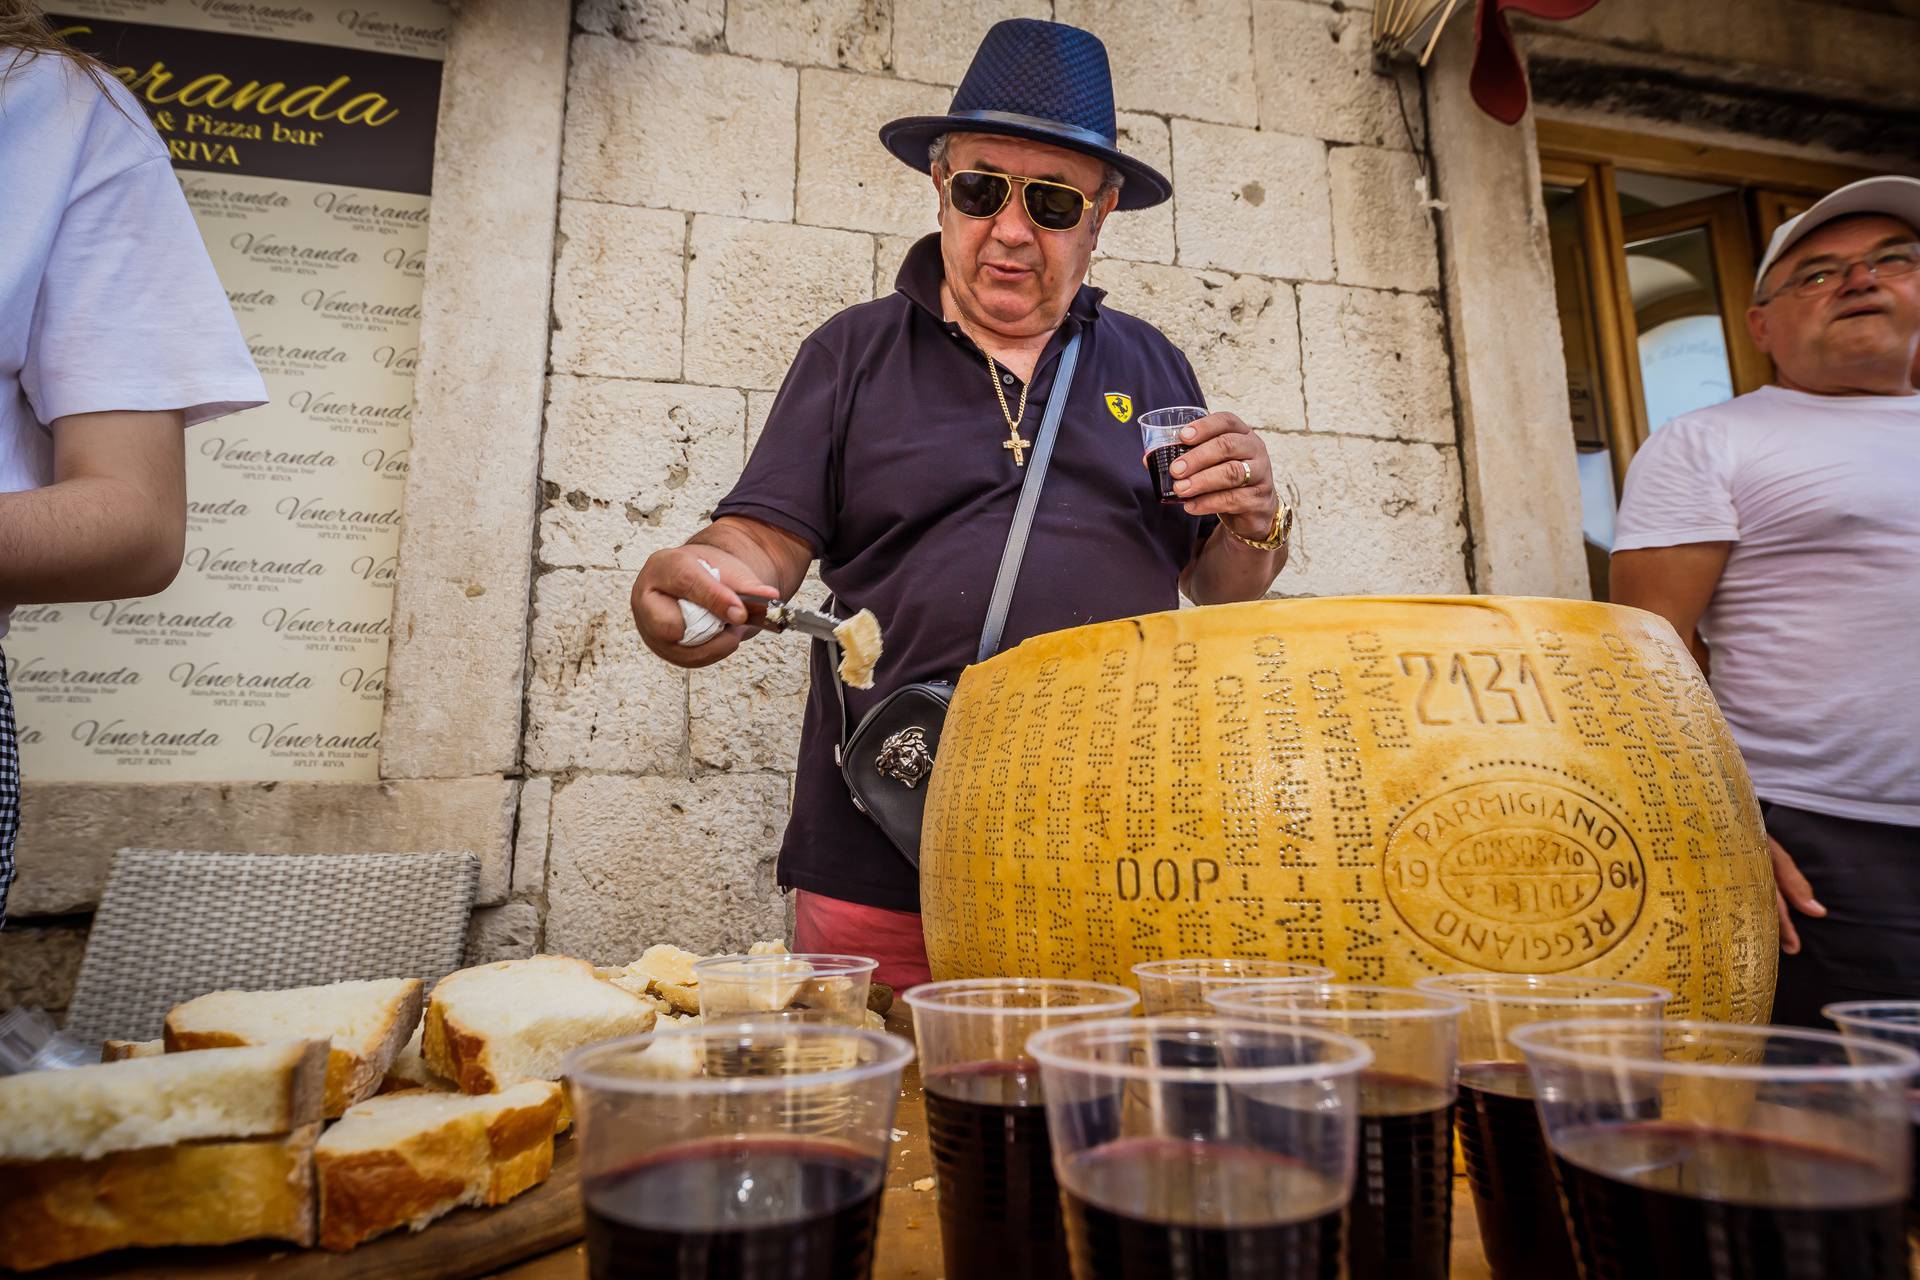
(409, 1070)
(403, 1159)
(118, 1050)
(193, 1193)
(366, 1023)
(498, 1024)
(83, 1113)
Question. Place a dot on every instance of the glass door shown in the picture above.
(1690, 272)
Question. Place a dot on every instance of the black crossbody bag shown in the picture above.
(890, 752)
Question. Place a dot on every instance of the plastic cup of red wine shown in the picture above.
(782, 987)
(987, 1120)
(1898, 1022)
(1161, 444)
(1522, 1228)
(1400, 1220)
(1166, 1169)
(1181, 986)
(736, 1151)
(1709, 1149)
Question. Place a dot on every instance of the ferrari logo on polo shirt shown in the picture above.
(1120, 406)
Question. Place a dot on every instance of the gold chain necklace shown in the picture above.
(1013, 440)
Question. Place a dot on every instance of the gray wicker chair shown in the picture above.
(173, 925)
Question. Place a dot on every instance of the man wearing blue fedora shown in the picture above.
(896, 451)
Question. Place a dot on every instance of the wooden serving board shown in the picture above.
(465, 1243)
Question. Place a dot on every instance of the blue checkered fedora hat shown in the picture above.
(1043, 81)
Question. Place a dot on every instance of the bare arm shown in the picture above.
(1677, 583)
(752, 556)
(112, 525)
(1228, 570)
(1674, 582)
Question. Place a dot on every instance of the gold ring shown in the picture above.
(1246, 472)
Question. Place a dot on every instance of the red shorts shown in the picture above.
(835, 926)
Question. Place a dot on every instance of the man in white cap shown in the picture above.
(1780, 534)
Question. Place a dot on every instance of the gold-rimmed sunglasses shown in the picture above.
(1051, 206)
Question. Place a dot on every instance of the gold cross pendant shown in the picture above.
(1019, 446)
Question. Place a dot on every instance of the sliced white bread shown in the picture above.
(366, 1024)
(193, 1193)
(404, 1159)
(409, 1070)
(83, 1113)
(118, 1050)
(498, 1024)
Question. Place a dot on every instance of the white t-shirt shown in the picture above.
(107, 297)
(1815, 625)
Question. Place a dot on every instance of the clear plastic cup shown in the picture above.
(1897, 1022)
(1243, 1168)
(30, 1040)
(1707, 1149)
(827, 989)
(1169, 987)
(1521, 1225)
(987, 1121)
(735, 1149)
(1400, 1222)
(1160, 444)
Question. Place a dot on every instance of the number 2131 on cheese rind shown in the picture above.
(1392, 787)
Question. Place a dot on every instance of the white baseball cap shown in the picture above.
(1894, 196)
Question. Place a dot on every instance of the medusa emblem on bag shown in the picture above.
(904, 756)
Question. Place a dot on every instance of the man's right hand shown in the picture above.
(675, 574)
(1790, 890)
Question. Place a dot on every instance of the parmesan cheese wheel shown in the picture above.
(1392, 787)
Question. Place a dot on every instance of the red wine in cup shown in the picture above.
(1512, 1177)
(677, 1214)
(1160, 463)
(1217, 1214)
(1511, 1171)
(999, 1203)
(1400, 1221)
(1700, 1205)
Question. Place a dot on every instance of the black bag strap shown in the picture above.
(1016, 549)
(1023, 512)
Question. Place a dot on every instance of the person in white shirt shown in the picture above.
(115, 334)
(1780, 534)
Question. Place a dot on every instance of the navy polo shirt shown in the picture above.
(883, 453)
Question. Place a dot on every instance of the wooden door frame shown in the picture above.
(1604, 238)
(1702, 162)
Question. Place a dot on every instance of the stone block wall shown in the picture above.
(723, 193)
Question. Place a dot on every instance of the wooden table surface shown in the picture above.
(909, 1244)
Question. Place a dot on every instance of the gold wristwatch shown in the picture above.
(1276, 536)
